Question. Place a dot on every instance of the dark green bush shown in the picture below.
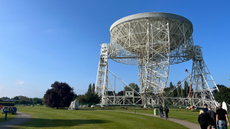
(7, 103)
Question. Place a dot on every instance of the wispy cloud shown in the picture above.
(19, 82)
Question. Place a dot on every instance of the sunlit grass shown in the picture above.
(182, 114)
(59, 118)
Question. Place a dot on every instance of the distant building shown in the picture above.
(8, 100)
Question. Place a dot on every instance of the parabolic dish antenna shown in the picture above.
(131, 36)
(153, 41)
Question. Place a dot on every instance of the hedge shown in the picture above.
(7, 103)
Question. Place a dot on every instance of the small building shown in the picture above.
(8, 100)
(74, 105)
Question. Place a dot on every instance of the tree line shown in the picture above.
(61, 94)
(24, 100)
(223, 94)
(180, 91)
(183, 90)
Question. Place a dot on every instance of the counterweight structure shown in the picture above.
(152, 41)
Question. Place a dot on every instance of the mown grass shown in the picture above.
(182, 114)
(99, 119)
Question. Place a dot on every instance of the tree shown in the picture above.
(90, 96)
(89, 89)
(23, 101)
(120, 93)
(74, 96)
(172, 93)
(93, 88)
(93, 98)
(223, 94)
(186, 89)
(20, 97)
(179, 90)
(5, 98)
(17, 102)
(111, 93)
(219, 87)
(16, 98)
(60, 95)
(171, 85)
(134, 86)
(81, 99)
(37, 101)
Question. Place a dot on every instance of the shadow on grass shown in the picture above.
(91, 109)
(35, 122)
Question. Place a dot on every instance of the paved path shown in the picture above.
(187, 124)
(19, 119)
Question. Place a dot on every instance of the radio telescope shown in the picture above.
(153, 41)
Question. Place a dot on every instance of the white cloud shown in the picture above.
(19, 82)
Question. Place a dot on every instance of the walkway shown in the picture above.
(187, 124)
(19, 119)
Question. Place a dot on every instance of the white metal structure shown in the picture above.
(152, 41)
(102, 74)
(201, 81)
(74, 105)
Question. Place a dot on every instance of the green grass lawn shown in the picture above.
(182, 114)
(60, 118)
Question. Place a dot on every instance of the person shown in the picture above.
(221, 117)
(161, 112)
(216, 108)
(217, 125)
(202, 120)
(211, 117)
(166, 112)
(205, 109)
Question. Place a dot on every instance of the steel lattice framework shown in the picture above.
(152, 41)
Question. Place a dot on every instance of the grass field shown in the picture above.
(187, 115)
(183, 114)
(99, 119)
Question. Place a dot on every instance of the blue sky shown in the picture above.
(45, 41)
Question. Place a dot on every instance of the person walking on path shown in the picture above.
(202, 119)
(211, 115)
(221, 117)
(216, 108)
(166, 112)
(161, 112)
(205, 109)
(215, 111)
